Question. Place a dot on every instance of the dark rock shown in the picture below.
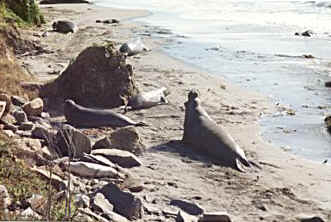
(9, 126)
(71, 142)
(3, 105)
(18, 101)
(327, 121)
(104, 142)
(311, 219)
(328, 84)
(123, 158)
(7, 106)
(190, 208)
(111, 21)
(98, 21)
(40, 132)
(125, 204)
(105, 79)
(20, 116)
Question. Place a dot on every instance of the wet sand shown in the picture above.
(286, 187)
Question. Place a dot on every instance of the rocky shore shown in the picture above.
(145, 173)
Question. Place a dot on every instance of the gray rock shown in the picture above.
(127, 138)
(97, 159)
(123, 158)
(81, 200)
(92, 170)
(104, 142)
(101, 204)
(71, 142)
(185, 217)
(215, 217)
(26, 126)
(18, 101)
(188, 207)
(125, 204)
(20, 116)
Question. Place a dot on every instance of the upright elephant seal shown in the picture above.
(64, 26)
(204, 135)
(148, 99)
(80, 116)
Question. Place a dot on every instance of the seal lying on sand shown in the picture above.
(133, 47)
(148, 99)
(64, 26)
(80, 116)
(204, 135)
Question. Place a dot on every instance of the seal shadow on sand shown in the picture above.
(187, 151)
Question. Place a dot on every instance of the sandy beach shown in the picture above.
(286, 187)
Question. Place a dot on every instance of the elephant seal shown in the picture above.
(80, 116)
(148, 99)
(64, 26)
(204, 135)
(133, 47)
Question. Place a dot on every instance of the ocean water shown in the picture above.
(252, 43)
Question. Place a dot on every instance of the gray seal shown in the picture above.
(203, 134)
(64, 26)
(80, 116)
(148, 99)
(133, 47)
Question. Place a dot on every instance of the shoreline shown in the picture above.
(305, 182)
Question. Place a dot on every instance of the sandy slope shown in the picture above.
(286, 186)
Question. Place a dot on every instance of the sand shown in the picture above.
(286, 187)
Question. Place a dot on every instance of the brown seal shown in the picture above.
(204, 135)
(80, 116)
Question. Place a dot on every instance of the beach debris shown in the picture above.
(133, 47)
(307, 33)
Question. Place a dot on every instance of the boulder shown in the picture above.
(128, 139)
(103, 142)
(105, 80)
(185, 217)
(215, 217)
(20, 116)
(125, 204)
(64, 26)
(41, 132)
(18, 101)
(101, 204)
(122, 158)
(92, 170)
(34, 107)
(71, 142)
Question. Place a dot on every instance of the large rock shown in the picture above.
(92, 170)
(125, 204)
(128, 139)
(101, 143)
(34, 107)
(20, 116)
(71, 142)
(123, 158)
(105, 80)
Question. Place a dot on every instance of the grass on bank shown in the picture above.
(22, 183)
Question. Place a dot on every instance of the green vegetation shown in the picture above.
(22, 183)
(20, 12)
